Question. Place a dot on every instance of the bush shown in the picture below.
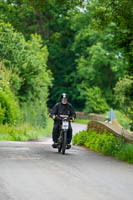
(126, 153)
(106, 144)
(9, 108)
(80, 138)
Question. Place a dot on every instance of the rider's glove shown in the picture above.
(72, 119)
(53, 117)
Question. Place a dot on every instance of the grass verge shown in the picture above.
(25, 131)
(81, 121)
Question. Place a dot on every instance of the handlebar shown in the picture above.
(64, 117)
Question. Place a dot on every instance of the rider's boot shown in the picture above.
(68, 146)
(55, 145)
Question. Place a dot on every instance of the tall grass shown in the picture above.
(123, 120)
(24, 131)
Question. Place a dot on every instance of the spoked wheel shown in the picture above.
(64, 142)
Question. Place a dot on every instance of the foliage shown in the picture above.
(90, 44)
(103, 44)
(24, 132)
(106, 144)
(35, 113)
(56, 34)
(99, 61)
(124, 95)
(31, 14)
(126, 153)
(9, 108)
(29, 77)
(2, 114)
(28, 62)
(103, 143)
(122, 119)
(119, 12)
(95, 103)
(80, 138)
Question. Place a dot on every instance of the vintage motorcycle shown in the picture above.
(63, 130)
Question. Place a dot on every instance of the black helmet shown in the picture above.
(63, 95)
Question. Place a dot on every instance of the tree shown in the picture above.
(95, 102)
(91, 45)
(30, 78)
(9, 107)
(99, 60)
(50, 19)
(124, 95)
(31, 16)
(119, 12)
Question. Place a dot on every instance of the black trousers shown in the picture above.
(55, 133)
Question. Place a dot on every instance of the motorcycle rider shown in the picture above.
(62, 108)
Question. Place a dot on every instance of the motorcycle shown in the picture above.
(63, 130)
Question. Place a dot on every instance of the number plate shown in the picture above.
(65, 125)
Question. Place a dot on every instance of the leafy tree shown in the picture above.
(90, 47)
(9, 107)
(100, 61)
(30, 16)
(95, 103)
(119, 12)
(124, 95)
(51, 19)
(30, 78)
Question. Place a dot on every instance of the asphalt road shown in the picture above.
(35, 171)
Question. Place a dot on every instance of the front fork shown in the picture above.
(61, 137)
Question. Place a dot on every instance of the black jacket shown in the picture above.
(63, 109)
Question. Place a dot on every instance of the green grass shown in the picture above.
(122, 119)
(25, 131)
(82, 121)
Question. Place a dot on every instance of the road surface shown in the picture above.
(35, 171)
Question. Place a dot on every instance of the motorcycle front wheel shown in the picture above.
(64, 142)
